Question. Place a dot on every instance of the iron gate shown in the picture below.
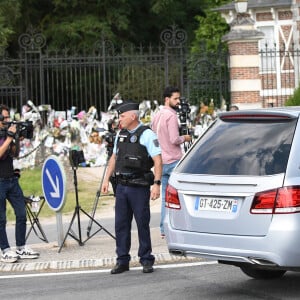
(65, 79)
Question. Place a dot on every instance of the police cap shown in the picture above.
(127, 106)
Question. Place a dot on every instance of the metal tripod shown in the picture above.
(97, 197)
(76, 213)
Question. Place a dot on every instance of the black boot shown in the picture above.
(118, 268)
(147, 268)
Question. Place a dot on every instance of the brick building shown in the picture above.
(264, 51)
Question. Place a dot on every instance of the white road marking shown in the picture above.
(166, 266)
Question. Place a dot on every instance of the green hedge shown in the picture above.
(294, 100)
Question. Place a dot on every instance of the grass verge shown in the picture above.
(88, 185)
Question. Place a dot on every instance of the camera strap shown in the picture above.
(16, 146)
(3, 157)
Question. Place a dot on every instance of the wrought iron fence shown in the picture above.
(65, 79)
(208, 77)
(279, 71)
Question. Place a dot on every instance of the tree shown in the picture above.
(294, 100)
(78, 24)
(9, 13)
(212, 27)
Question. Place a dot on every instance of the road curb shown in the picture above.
(103, 263)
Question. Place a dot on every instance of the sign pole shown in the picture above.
(59, 227)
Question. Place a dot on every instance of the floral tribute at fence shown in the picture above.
(58, 132)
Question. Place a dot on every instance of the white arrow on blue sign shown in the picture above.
(53, 183)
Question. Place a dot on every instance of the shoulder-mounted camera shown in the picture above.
(24, 129)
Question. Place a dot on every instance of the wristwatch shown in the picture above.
(158, 182)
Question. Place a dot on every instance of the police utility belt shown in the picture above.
(145, 179)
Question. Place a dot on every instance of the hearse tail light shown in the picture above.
(172, 199)
(284, 200)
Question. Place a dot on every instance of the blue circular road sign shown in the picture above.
(53, 182)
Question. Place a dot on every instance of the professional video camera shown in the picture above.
(184, 118)
(183, 114)
(24, 129)
(76, 157)
(110, 136)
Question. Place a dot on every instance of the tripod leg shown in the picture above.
(69, 229)
(76, 213)
(98, 194)
(100, 226)
(88, 230)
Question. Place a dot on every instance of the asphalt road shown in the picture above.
(196, 281)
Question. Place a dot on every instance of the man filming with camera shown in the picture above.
(10, 190)
(165, 125)
(136, 151)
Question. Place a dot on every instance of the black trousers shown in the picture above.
(133, 201)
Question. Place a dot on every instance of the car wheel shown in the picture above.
(259, 273)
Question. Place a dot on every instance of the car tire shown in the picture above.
(258, 273)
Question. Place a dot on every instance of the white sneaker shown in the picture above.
(27, 252)
(9, 256)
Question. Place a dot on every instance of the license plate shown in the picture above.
(216, 204)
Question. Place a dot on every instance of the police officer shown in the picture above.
(136, 151)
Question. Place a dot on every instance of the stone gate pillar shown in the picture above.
(245, 82)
